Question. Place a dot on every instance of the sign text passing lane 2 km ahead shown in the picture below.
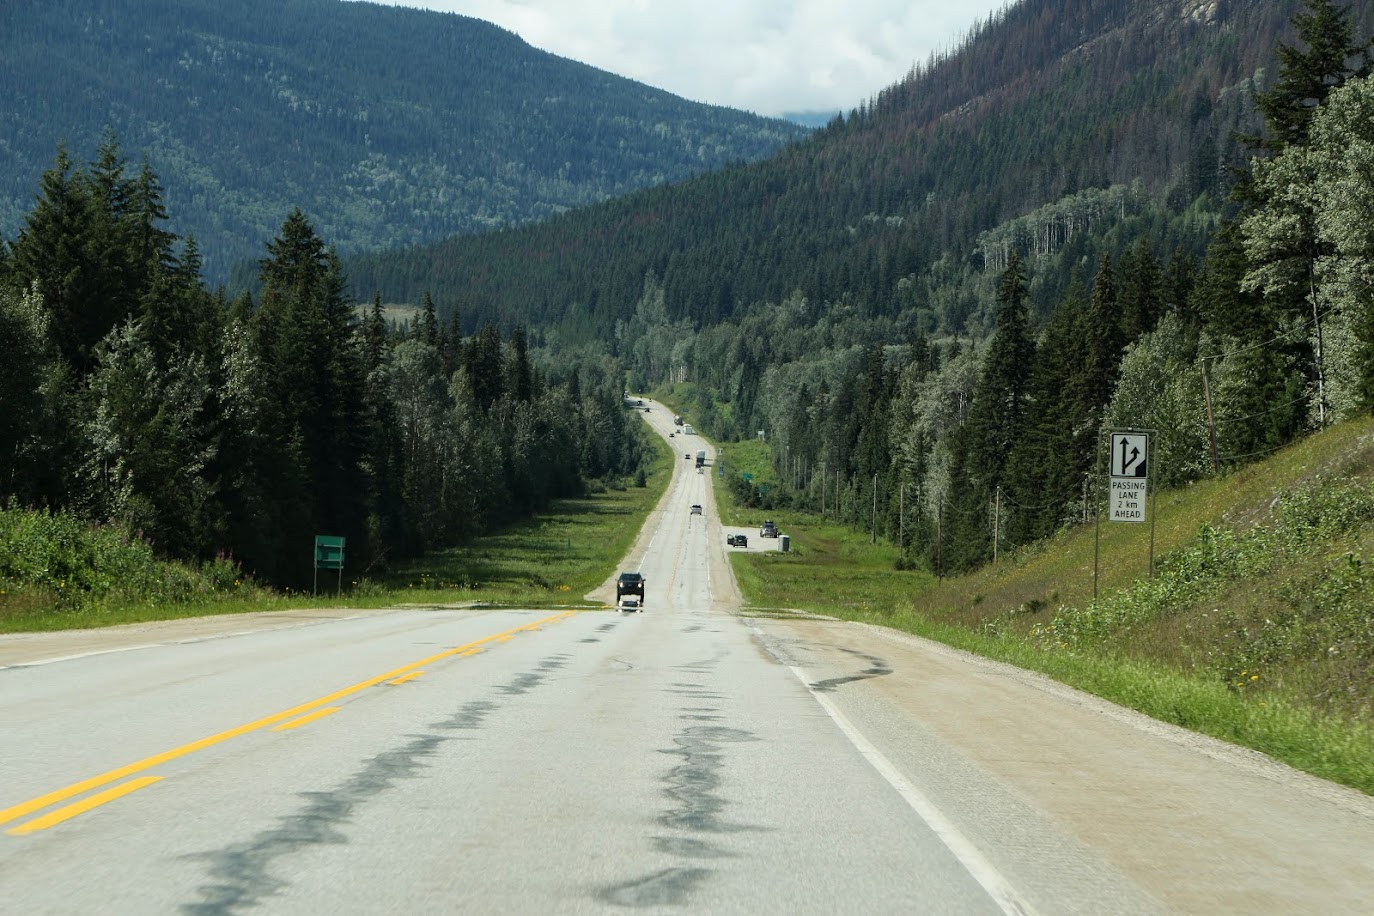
(1129, 476)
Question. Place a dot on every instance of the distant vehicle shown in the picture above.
(629, 591)
(696, 508)
(768, 529)
(687, 456)
(701, 459)
(689, 431)
(646, 410)
(737, 540)
(677, 420)
(671, 435)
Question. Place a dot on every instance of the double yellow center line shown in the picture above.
(398, 676)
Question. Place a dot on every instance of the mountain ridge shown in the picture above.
(388, 125)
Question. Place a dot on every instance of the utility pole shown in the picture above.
(1211, 423)
(939, 537)
(901, 519)
(996, 522)
(874, 538)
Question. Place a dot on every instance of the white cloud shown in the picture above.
(767, 56)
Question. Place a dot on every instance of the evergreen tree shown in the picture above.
(520, 383)
(1046, 469)
(316, 369)
(999, 402)
(374, 334)
(1099, 353)
(50, 251)
(1308, 76)
(1140, 296)
(23, 372)
(429, 322)
(485, 365)
(996, 417)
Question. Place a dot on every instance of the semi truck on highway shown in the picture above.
(701, 459)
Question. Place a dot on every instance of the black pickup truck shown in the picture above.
(629, 591)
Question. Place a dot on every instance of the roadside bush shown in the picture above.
(79, 565)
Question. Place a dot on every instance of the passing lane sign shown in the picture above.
(1130, 477)
(1127, 502)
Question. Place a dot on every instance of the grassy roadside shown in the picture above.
(94, 578)
(551, 560)
(1255, 629)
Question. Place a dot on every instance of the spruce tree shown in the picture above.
(1308, 75)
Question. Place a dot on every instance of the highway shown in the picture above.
(695, 757)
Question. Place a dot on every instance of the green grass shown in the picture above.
(70, 576)
(1270, 646)
(553, 559)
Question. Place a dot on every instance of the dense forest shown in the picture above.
(388, 125)
(132, 394)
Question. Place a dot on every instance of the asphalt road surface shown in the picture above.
(690, 758)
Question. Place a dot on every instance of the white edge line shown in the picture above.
(171, 642)
(974, 862)
(68, 658)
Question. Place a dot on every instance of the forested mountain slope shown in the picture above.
(937, 307)
(1045, 99)
(387, 125)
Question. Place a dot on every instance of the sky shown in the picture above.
(766, 56)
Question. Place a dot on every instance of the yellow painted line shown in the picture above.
(306, 719)
(17, 811)
(409, 677)
(478, 651)
(70, 811)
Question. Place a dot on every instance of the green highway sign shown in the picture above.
(329, 552)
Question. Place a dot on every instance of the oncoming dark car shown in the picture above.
(737, 540)
(629, 591)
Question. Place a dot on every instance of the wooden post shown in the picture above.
(939, 536)
(901, 519)
(874, 538)
(1211, 423)
(996, 522)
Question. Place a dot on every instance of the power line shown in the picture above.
(1283, 336)
(1223, 420)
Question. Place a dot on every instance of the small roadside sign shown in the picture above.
(329, 554)
(1128, 486)
(1130, 477)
